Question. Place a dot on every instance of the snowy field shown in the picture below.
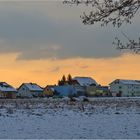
(51, 118)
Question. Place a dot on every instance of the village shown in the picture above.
(72, 87)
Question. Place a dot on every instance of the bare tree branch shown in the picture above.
(108, 11)
(116, 12)
(132, 45)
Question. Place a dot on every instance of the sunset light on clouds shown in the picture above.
(41, 41)
(46, 72)
(69, 69)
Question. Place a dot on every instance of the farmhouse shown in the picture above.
(7, 91)
(29, 90)
(127, 88)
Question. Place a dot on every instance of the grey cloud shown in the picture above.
(37, 36)
(40, 52)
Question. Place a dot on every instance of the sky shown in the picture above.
(42, 40)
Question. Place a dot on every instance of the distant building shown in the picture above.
(84, 85)
(75, 87)
(80, 90)
(65, 90)
(7, 91)
(91, 90)
(126, 88)
(97, 90)
(85, 81)
(105, 90)
(29, 90)
(48, 91)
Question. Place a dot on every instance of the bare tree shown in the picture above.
(115, 12)
(132, 45)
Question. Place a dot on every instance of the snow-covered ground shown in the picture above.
(49, 118)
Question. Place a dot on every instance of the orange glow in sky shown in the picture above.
(40, 41)
(46, 72)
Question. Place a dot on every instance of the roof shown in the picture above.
(33, 87)
(130, 82)
(6, 87)
(127, 82)
(85, 81)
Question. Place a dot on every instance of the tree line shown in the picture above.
(65, 80)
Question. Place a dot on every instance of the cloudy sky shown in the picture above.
(42, 40)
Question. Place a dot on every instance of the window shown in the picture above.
(132, 94)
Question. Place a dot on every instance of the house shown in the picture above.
(29, 90)
(48, 91)
(126, 88)
(91, 90)
(97, 90)
(69, 90)
(65, 90)
(105, 90)
(85, 81)
(84, 85)
(7, 91)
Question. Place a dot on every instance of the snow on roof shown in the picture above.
(33, 87)
(127, 82)
(6, 87)
(85, 81)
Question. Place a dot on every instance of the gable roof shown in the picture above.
(6, 87)
(32, 86)
(85, 81)
(132, 82)
(127, 82)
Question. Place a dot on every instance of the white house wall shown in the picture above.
(24, 92)
(127, 90)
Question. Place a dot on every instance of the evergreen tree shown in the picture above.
(69, 79)
(63, 78)
(59, 83)
(116, 12)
